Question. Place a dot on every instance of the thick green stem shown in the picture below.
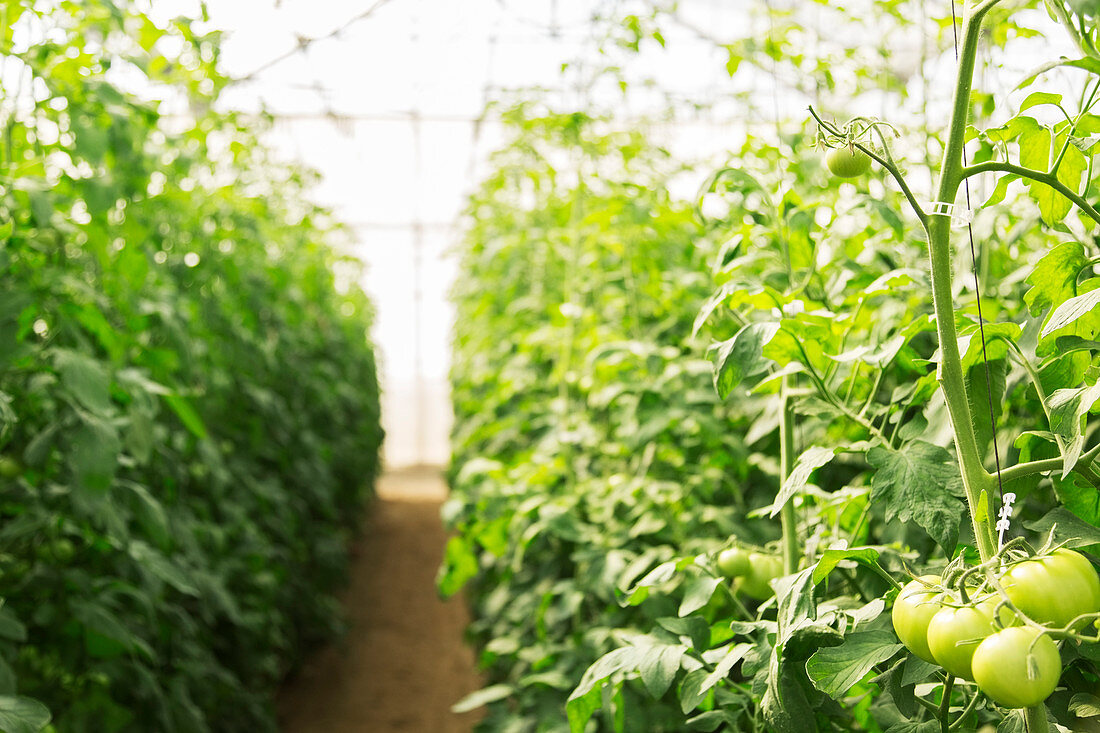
(1035, 719)
(977, 482)
(945, 705)
(791, 546)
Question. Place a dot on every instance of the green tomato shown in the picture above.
(1053, 589)
(1017, 667)
(847, 162)
(913, 611)
(9, 467)
(954, 634)
(763, 569)
(734, 563)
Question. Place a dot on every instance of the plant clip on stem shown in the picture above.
(959, 217)
(1004, 517)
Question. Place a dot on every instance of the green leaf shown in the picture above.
(867, 556)
(912, 726)
(734, 654)
(1054, 279)
(93, 454)
(1084, 705)
(85, 379)
(919, 483)
(105, 635)
(711, 721)
(187, 415)
(1070, 311)
(8, 684)
(1068, 410)
(150, 515)
(1036, 99)
(1071, 529)
(586, 698)
(985, 389)
(698, 594)
(902, 695)
(22, 715)
(482, 697)
(741, 356)
(162, 568)
(999, 191)
(580, 709)
(1014, 722)
(1087, 63)
(695, 628)
(458, 568)
(658, 665)
(996, 334)
(811, 459)
(835, 670)
(11, 628)
(1079, 496)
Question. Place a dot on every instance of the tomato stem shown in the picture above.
(791, 545)
(977, 482)
(945, 705)
(1035, 719)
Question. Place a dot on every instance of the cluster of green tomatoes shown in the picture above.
(1000, 633)
(751, 572)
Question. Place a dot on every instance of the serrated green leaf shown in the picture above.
(919, 483)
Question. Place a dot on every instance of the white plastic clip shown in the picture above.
(959, 217)
(1005, 515)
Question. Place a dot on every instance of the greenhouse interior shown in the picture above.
(549, 366)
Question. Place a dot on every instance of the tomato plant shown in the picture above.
(870, 416)
(188, 394)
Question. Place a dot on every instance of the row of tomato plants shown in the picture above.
(603, 509)
(189, 420)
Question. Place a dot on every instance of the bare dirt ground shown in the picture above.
(403, 663)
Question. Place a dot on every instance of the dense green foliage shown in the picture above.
(857, 435)
(572, 463)
(188, 401)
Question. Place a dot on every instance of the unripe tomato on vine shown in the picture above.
(762, 570)
(1017, 667)
(954, 635)
(913, 610)
(733, 563)
(1053, 589)
(847, 161)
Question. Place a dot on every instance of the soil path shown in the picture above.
(403, 663)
